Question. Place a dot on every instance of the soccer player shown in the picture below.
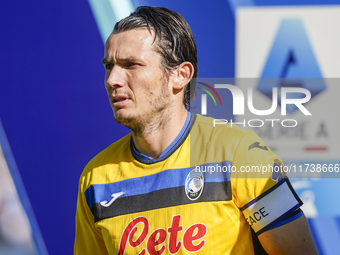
(175, 184)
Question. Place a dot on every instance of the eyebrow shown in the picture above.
(127, 59)
(105, 61)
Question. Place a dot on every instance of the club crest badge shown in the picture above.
(194, 184)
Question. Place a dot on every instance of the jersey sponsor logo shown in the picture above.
(257, 145)
(194, 184)
(114, 197)
(192, 240)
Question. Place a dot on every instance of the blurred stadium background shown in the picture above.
(55, 114)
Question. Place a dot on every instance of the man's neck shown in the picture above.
(155, 139)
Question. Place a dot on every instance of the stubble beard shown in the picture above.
(145, 124)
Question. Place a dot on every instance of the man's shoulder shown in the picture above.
(218, 142)
(220, 127)
(227, 137)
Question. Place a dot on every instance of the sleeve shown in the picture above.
(260, 188)
(88, 239)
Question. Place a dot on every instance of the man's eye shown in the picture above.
(108, 66)
(131, 64)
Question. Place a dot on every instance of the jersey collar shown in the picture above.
(190, 120)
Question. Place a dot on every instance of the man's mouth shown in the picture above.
(119, 101)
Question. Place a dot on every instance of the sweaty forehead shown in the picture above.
(136, 42)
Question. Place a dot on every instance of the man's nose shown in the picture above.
(116, 77)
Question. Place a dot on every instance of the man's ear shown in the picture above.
(182, 75)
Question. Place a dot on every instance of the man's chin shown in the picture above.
(126, 121)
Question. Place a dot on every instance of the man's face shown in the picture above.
(137, 86)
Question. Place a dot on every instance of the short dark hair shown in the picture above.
(175, 41)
